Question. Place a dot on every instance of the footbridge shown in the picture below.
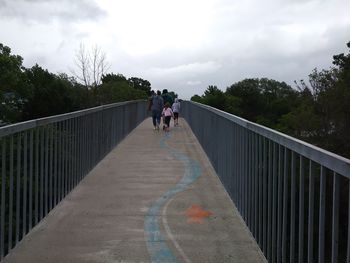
(100, 185)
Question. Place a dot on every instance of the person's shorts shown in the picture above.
(176, 115)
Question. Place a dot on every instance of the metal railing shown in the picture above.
(42, 160)
(293, 196)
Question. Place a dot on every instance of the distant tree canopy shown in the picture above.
(29, 93)
(115, 87)
(260, 100)
(318, 112)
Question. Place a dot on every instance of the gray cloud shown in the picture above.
(50, 10)
(222, 44)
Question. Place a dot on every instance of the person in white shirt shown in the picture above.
(176, 111)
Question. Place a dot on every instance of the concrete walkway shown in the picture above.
(154, 198)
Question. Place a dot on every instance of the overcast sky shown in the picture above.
(182, 45)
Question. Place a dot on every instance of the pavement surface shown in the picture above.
(154, 198)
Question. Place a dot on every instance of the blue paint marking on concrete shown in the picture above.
(156, 244)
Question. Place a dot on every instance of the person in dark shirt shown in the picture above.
(167, 97)
(157, 108)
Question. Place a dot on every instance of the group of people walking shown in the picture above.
(163, 106)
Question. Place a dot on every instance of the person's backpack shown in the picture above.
(167, 98)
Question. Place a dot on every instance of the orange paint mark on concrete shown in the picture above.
(196, 213)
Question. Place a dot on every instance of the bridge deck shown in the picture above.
(154, 198)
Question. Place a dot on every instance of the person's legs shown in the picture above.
(154, 118)
(176, 118)
(167, 122)
(158, 119)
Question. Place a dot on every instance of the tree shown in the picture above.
(13, 86)
(327, 100)
(214, 97)
(141, 84)
(111, 77)
(196, 98)
(92, 65)
(115, 88)
(261, 100)
(248, 91)
(49, 94)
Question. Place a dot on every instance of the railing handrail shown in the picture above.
(22, 126)
(337, 163)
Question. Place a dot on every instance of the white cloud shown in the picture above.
(193, 82)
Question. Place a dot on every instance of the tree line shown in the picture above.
(30, 93)
(317, 112)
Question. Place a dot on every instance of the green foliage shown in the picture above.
(213, 97)
(28, 93)
(11, 74)
(141, 84)
(12, 85)
(317, 112)
(262, 100)
(49, 94)
(196, 98)
(117, 88)
(111, 77)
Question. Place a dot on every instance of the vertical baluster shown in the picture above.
(31, 171)
(256, 185)
(258, 230)
(270, 206)
(83, 142)
(71, 154)
(250, 222)
(274, 204)
(51, 170)
(292, 207)
(68, 158)
(240, 173)
(311, 213)
(3, 197)
(265, 195)
(9, 240)
(60, 163)
(18, 187)
(335, 217)
(279, 208)
(248, 162)
(322, 215)
(37, 173)
(301, 209)
(244, 183)
(42, 171)
(285, 204)
(76, 151)
(250, 177)
(25, 183)
(235, 165)
(348, 237)
(46, 165)
(55, 165)
(260, 189)
(64, 159)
